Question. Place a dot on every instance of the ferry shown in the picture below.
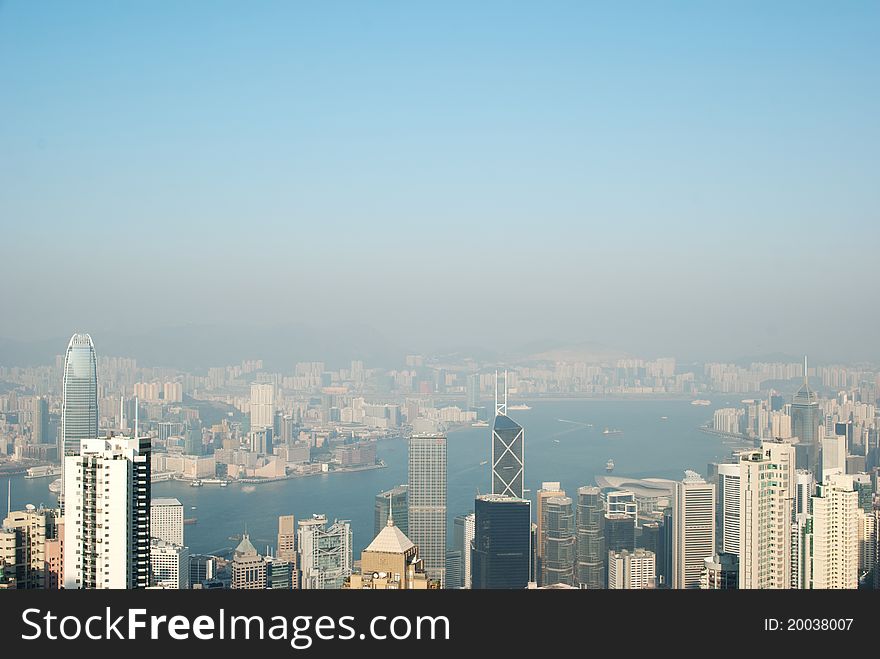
(701, 401)
(521, 406)
(480, 424)
(42, 472)
(612, 431)
(609, 466)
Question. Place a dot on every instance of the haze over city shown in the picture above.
(694, 180)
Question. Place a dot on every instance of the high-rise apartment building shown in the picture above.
(631, 570)
(262, 405)
(25, 540)
(834, 536)
(767, 489)
(107, 523)
(427, 501)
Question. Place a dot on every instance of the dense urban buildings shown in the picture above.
(779, 511)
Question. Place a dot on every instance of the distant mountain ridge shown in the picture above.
(197, 347)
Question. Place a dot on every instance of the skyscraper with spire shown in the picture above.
(805, 426)
(79, 399)
(79, 404)
(508, 462)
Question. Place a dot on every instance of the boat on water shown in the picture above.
(480, 424)
(193, 508)
(189, 521)
(484, 462)
(521, 406)
(612, 431)
(701, 401)
(196, 483)
(664, 418)
(42, 472)
(556, 440)
(55, 486)
(609, 466)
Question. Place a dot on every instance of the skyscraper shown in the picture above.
(620, 532)
(262, 405)
(391, 562)
(395, 501)
(508, 461)
(590, 539)
(286, 549)
(325, 553)
(501, 549)
(462, 537)
(693, 533)
(548, 489)
(728, 507)
(631, 570)
(107, 524)
(248, 567)
(79, 399)
(427, 501)
(835, 538)
(25, 538)
(169, 565)
(764, 527)
(166, 520)
(559, 553)
(41, 421)
(805, 420)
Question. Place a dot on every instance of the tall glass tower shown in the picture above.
(591, 554)
(501, 549)
(79, 400)
(79, 404)
(427, 502)
(560, 542)
(805, 426)
(507, 450)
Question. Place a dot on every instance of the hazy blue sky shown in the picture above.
(668, 177)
